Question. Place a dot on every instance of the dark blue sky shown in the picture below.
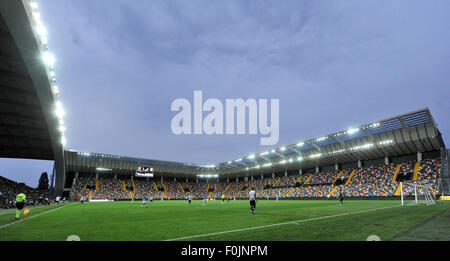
(332, 64)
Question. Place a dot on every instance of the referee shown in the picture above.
(20, 203)
(252, 198)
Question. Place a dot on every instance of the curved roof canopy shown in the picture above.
(399, 135)
(28, 125)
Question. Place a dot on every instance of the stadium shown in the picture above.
(393, 173)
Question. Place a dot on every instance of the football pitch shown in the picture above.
(298, 220)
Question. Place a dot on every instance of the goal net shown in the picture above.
(422, 193)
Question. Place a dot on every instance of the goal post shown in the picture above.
(423, 193)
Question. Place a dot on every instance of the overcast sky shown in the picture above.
(332, 65)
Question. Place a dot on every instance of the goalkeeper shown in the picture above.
(20, 204)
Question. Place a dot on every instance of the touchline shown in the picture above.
(213, 123)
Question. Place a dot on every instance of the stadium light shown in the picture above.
(55, 90)
(59, 111)
(283, 162)
(103, 169)
(62, 129)
(317, 155)
(238, 160)
(251, 156)
(300, 144)
(267, 164)
(321, 138)
(33, 5)
(63, 141)
(273, 151)
(283, 148)
(299, 158)
(40, 29)
(207, 176)
(48, 59)
(351, 131)
(291, 160)
(229, 162)
(264, 153)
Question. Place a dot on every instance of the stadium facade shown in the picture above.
(31, 126)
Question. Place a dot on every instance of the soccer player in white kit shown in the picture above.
(252, 198)
(189, 199)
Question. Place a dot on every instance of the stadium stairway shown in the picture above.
(293, 186)
(134, 186)
(131, 194)
(227, 188)
(338, 176)
(124, 187)
(350, 177)
(332, 191)
(276, 182)
(398, 190)
(182, 189)
(334, 188)
(156, 187)
(163, 192)
(90, 194)
(397, 169)
(96, 184)
(190, 190)
(416, 171)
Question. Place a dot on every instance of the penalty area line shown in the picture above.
(278, 224)
(20, 220)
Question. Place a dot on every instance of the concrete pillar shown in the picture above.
(174, 179)
(237, 179)
(196, 180)
(132, 177)
(252, 178)
(76, 174)
(285, 173)
(228, 180)
(336, 166)
(359, 164)
(186, 180)
(262, 176)
(419, 156)
(115, 176)
(317, 169)
(147, 178)
(161, 178)
(386, 160)
(300, 171)
(246, 179)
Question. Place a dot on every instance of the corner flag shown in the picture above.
(25, 211)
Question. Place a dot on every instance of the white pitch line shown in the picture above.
(278, 224)
(20, 220)
(9, 211)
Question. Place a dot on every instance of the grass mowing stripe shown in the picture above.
(20, 220)
(278, 224)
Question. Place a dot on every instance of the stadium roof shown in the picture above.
(403, 134)
(30, 119)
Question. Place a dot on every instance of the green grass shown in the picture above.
(315, 220)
